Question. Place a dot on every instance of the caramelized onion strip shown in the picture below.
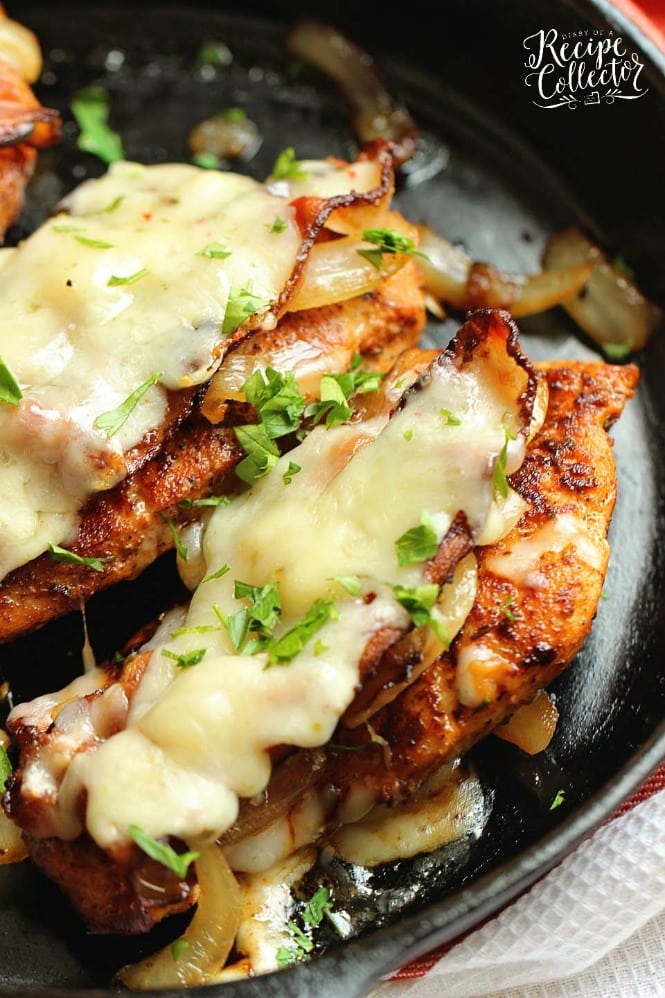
(610, 308)
(336, 271)
(204, 947)
(454, 279)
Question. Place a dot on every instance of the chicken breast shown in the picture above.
(127, 527)
(535, 598)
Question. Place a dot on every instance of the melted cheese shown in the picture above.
(197, 738)
(126, 283)
(451, 805)
(520, 564)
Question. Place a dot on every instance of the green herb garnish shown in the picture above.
(213, 54)
(178, 948)
(206, 160)
(181, 548)
(112, 421)
(417, 544)
(163, 853)
(10, 392)
(205, 501)
(259, 616)
(350, 583)
(187, 659)
(283, 650)
(500, 480)
(216, 575)
(558, 800)
(114, 282)
(505, 608)
(450, 418)
(215, 251)
(335, 390)
(276, 399)
(93, 243)
(6, 768)
(417, 601)
(387, 241)
(61, 554)
(287, 167)
(278, 225)
(241, 304)
(90, 108)
(292, 470)
(262, 453)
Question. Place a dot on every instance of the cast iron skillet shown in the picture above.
(502, 175)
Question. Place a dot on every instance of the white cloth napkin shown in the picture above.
(594, 927)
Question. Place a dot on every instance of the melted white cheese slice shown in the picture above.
(130, 281)
(197, 738)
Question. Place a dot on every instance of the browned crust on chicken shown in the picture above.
(126, 899)
(192, 459)
(569, 470)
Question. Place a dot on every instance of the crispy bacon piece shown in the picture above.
(549, 569)
(193, 459)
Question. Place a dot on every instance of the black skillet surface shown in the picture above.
(498, 174)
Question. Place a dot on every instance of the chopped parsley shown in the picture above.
(505, 608)
(283, 650)
(261, 453)
(206, 160)
(558, 799)
(114, 282)
(90, 108)
(387, 241)
(278, 225)
(287, 167)
(258, 617)
(450, 418)
(186, 660)
(348, 582)
(241, 304)
(318, 908)
(213, 54)
(178, 948)
(205, 501)
(93, 243)
(418, 602)
(215, 251)
(277, 401)
(162, 853)
(417, 544)
(216, 575)
(180, 547)
(290, 472)
(115, 203)
(6, 769)
(10, 392)
(61, 554)
(335, 390)
(500, 480)
(112, 421)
